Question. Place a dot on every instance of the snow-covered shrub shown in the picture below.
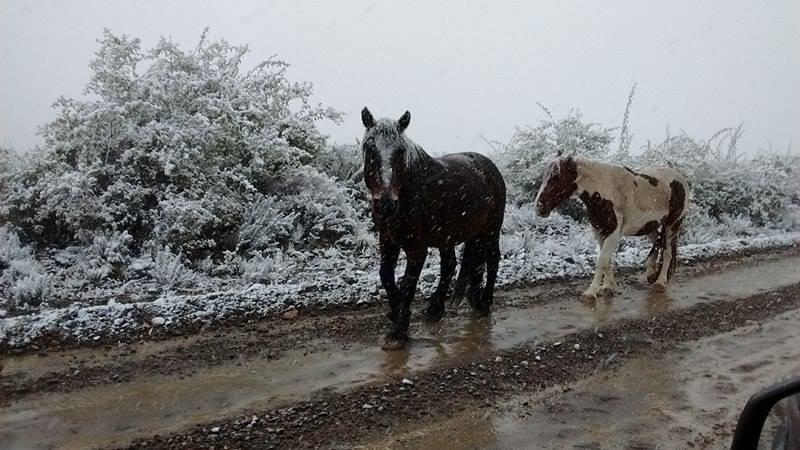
(267, 224)
(726, 184)
(328, 211)
(343, 162)
(5, 169)
(24, 282)
(173, 146)
(102, 255)
(308, 210)
(263, 269)
(169, 270)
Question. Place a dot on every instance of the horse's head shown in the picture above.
(558, 185)
(385, 161)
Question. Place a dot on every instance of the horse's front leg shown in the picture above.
(389, 254)
(415, 259)
(604, 273)
(448, 268)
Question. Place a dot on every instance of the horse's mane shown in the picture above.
(415, 156)
(553, 168)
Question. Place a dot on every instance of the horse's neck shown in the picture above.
(419, 163)
(422, 170)
(591, 175)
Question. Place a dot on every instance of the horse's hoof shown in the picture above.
(434, 314)
(607, 291)
(393, 342)
(392, 315)
(482, 310)
(589, 294)
(652, 277)
(659, 286)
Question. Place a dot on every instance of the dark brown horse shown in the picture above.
(419, 202)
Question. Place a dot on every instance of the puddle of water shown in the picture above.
(114, 414)
(666, 400)
(512, 327)
(34, 365)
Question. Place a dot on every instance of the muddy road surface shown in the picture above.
(642, 369)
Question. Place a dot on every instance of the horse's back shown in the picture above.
(676, 185)
(471, 192)
(660, 194)
(468, 164)
(665, 174)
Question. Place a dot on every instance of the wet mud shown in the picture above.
(687, 398)
(300, 377)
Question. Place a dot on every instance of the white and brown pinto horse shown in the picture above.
(619, 202)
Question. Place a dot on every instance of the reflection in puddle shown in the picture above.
(658, 302)
(114, 414)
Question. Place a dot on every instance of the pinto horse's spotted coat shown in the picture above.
(620, 201)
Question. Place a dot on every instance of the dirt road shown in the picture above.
(547, 370)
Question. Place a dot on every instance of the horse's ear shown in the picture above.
(403, 121)
(366, 118)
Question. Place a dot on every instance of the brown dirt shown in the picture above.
(356, 415)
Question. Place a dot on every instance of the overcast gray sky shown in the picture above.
(464, 69)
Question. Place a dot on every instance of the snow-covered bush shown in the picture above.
(169, 270)
(311, 210)
(171, 145)
(726, 184)
(101, 256)
(24, 282)
(5, 169)
(263, 269)
(342, 162)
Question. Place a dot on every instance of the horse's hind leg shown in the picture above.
(651, 265)
(448, 268)
(475, 273)
(470, 263)
(492, 256)
(670, 249)
(675, 230)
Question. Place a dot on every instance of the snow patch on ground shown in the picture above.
(565, 249)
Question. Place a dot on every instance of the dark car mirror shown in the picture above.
(784, 434)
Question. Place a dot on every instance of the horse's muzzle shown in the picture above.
(385, 207)
(541, 211)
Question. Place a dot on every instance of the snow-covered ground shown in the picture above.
(551, 248)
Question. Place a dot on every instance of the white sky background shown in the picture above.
(464, 69)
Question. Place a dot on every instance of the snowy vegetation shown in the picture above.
(186, 186)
